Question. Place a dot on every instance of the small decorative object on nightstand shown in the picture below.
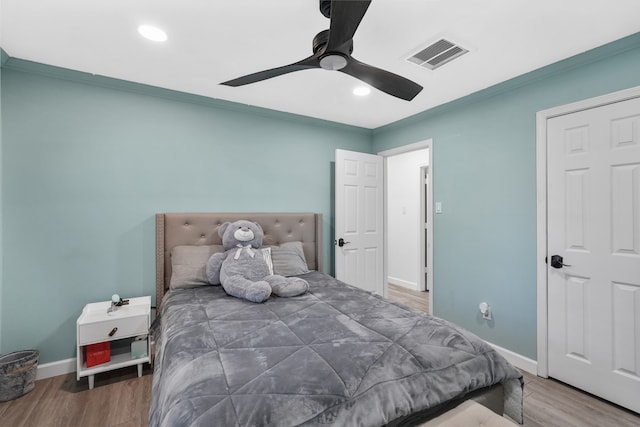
(114, 334)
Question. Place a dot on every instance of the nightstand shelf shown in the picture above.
(120, 328)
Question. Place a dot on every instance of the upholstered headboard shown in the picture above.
(173, 229)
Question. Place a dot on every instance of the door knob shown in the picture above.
(558, 262)
(341, 242)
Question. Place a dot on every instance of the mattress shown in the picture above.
(337, 355)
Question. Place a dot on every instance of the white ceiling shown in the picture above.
(211, 41)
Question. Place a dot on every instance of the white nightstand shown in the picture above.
(120, 328)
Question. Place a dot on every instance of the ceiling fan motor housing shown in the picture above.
(325, 8)
(320, 40)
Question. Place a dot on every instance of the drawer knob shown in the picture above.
(113, 332)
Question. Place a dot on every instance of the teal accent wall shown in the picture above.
(484, 174)
(86, 166)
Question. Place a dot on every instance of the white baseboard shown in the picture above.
(517, 360)
(404, 283)
(53, 369)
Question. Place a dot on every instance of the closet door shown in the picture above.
(593, 211)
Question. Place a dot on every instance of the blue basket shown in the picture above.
(17, 373)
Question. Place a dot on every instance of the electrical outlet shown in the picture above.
(485, 309)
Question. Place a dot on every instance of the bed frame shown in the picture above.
(174, 229)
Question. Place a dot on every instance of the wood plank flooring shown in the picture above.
(548, 402)
(414, 299)
(119, 399)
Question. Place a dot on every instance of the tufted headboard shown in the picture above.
(173, 229)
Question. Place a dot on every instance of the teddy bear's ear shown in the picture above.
(222, 228)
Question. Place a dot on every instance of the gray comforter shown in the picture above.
(334, 356)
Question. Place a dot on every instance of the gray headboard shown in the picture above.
(173, 229)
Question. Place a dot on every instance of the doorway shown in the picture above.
(408, 254)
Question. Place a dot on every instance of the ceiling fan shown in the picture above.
(332, 51)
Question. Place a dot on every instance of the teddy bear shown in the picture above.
(242, 269)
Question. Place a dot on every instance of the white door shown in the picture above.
(358, 220)
(593, 208)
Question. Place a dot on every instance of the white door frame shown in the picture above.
(392, 152)
(425, 226)
(541, 182)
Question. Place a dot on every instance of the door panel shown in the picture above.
(625, 198)
(626, 305)
(594, 224)
(577, 318)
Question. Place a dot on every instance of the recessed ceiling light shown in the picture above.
(152, 33)
(362, 91)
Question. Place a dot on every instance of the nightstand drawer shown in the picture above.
(126, 327)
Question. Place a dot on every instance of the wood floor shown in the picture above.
(119, 398)
(414, 299)
(548, 402)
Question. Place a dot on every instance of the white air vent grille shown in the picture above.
(437, 54)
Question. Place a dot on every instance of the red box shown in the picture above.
(96, 354)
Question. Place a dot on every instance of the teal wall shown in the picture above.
(484, 173)
(85, 167)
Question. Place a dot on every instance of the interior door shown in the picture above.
(358, 220)
(594, 232)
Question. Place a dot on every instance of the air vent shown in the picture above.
(437, 54)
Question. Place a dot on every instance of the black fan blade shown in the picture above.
(385, 81)
(305, 64)
(346, 15)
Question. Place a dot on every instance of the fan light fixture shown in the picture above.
(152, 33)
(333, 61)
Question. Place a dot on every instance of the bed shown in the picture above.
(337, 355)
